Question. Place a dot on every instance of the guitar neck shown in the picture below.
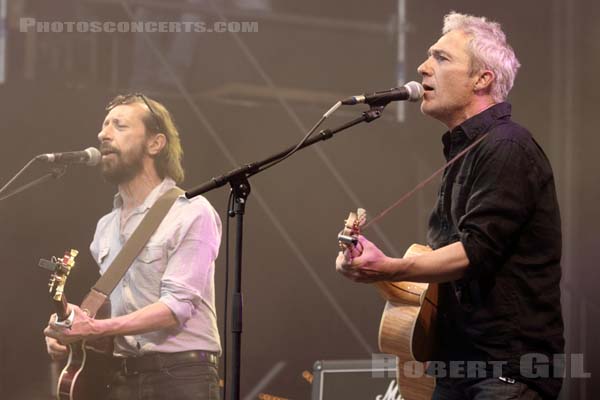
(62, 308)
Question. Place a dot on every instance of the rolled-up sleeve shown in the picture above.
(501, 199)
(187, 282)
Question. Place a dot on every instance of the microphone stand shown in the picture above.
(56, 173)
(240, 187)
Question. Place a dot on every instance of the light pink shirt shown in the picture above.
(176, 267)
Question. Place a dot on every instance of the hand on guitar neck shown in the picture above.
(359, 259)
(85, 375)
(365, 263)
(70, 324)
(82, 328)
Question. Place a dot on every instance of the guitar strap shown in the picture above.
(459, 286)
(424, 183)
(117, 269)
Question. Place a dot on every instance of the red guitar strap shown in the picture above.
(424, 183)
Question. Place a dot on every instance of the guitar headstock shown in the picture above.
(60, 268)
(348, 237)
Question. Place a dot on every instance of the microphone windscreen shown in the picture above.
(95, 156)
(415, 91)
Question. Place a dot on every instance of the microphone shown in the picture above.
(90, 156)
(412, 91)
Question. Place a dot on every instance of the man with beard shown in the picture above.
(163, 315)
(495, 230)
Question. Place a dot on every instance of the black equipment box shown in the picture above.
(373, 379)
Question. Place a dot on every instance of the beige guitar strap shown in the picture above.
(109, 280)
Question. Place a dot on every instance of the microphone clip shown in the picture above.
(58, 171)
(374, 112)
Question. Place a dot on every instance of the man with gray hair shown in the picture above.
(495, 229)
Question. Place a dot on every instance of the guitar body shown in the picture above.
(407, 330)
(86, 375)
(88, 371)
(407, 327)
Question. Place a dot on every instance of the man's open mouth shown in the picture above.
(106, 152)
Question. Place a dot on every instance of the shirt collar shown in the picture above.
(158, 191)
(475, 126)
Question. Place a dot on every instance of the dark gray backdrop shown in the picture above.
(243, 97)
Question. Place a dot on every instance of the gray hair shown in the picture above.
(488, 49)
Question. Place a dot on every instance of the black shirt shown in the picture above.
(499, 200)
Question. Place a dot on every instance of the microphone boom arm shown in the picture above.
(56, 173)
(254, 168)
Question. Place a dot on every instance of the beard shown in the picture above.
(118, 168)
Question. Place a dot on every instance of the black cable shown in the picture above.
(3, 188)
(295, 149)
(56, 173)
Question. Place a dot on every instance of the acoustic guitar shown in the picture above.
(407, 327)
(87, 373)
